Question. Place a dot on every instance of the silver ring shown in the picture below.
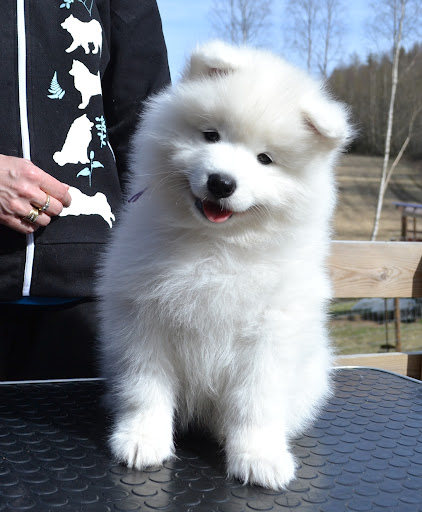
(32, 216)
(46, 205)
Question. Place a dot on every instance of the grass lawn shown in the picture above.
(352, 335)
(366, 337)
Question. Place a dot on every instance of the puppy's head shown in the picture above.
(245, 137)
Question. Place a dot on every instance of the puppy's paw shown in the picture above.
(139, 446)
(259, 458)
(273, 472)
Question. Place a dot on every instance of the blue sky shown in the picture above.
(187, 23)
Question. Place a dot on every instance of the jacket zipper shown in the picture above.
(26, 148)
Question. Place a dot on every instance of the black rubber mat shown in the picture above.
(363, 454)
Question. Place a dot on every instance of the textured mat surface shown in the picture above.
(363, 454)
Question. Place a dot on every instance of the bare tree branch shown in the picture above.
(303, 28)
(315, 30)
(412, 120)
(242, 21)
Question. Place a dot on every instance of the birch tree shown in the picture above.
(395, 19)
(303, 27)
(242, 21)
(331, 30)
(315, 30)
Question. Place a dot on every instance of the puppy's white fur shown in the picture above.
(224, 323)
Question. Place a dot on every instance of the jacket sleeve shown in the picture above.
(138, 67)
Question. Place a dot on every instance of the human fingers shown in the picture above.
(42, 190)
(34, 181)
(56, 189)
(20, 192)
(36, 218)
(19, 224)
(25, 214)
(47, 204)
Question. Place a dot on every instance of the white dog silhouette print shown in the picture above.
(86, 83)
(89, 205)
(84, 34)
(75, 147)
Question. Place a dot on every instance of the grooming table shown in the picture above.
(363, 454)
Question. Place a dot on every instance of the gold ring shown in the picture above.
(32, 216)
(46, 205)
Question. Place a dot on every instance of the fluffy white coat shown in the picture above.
(216, 313)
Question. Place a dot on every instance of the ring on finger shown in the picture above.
(46, 204)
(32, 216)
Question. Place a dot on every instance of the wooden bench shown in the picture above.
(385, 270)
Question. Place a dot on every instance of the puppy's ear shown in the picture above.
(328, 118)
(213, 59)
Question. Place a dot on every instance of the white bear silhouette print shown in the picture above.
(83, 34)
(89, 205)
(75, 147)
(85, 82)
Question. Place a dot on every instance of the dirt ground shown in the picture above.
(358, 180)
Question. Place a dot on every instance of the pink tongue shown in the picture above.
(214, 213)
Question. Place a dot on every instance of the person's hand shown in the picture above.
(29, 197)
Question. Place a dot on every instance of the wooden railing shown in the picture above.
(376, 269)
(379, 269)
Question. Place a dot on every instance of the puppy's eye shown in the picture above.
(211, 135)
(264, 159)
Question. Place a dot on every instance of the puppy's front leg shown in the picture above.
(143, 431)
(144, 401)
(255, 413)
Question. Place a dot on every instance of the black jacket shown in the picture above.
(73, 76)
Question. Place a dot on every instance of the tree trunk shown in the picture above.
(395, 73)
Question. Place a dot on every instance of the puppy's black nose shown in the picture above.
(221, 186)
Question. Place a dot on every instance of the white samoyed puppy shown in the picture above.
(213, 290)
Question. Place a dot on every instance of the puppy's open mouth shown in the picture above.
(212, 211)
